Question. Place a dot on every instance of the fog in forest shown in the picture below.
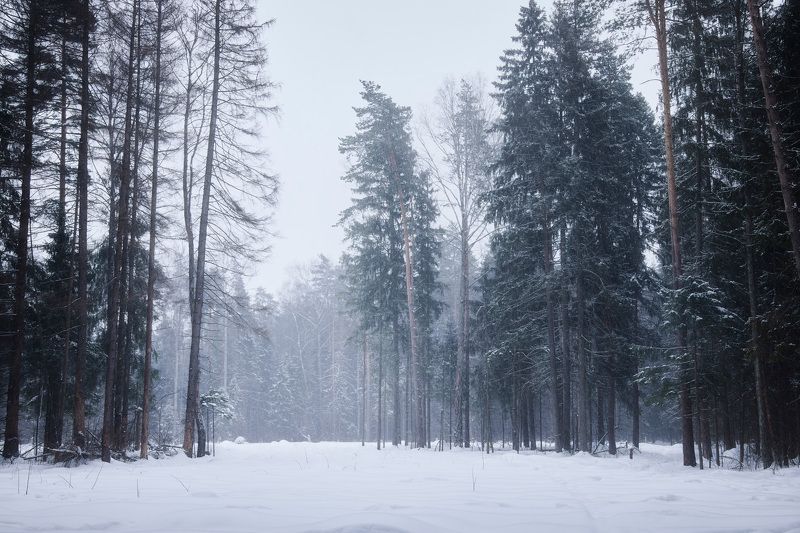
(457, 229)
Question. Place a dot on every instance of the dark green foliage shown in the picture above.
(577, 167)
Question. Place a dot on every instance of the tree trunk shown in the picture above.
(407, 400)
(515, 412)
(611, 413)
(415, 370)
(61, 399)
(658, 18)
(524, 419)
(201, 435)
(775, 132)
(757, 341)
(186, 181)
(380, 387)
(364, 380)
(151, 257)
(11, 441)
(119, 257)
(464, 323)
(566, 363)
(558, 423)
(79, 402)
(193, 388)
(728, 440)
(397, 409)
(127, 300)
(636, 416)
(601, 429)
(758, 346)
(700, 149)
(461, 387)
(64, 368)
(584, 424)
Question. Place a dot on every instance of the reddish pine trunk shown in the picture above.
(658, 19)
(11, 442)
(775, 133)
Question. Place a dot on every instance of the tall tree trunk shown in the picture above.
(225, 354)
(566, 363)
(64, 369)
(611, 411)
(657, 14)
(700, 178)
(531, 417)
(397, 406)
(443, 403)
(464, 327)
(79, 402)
(635, 423)
(11, 440)
(193, 388)
(113, 174)
(120, 259)
(524, 420)
(558, 422)
(515, 411)
(408, 416)
(151, 258)
(757, 340)
(584, 397)
(62, 144)
(364, 380)
(766, 451)
(54, 423)
(775, 131)
(127, 298)
(187, 180)
(461, 387)
(380, 387)
(601, 428)
(415, 370)
(728, 440)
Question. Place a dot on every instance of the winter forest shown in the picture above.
(545, 279)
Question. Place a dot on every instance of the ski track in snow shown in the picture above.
(344, 488)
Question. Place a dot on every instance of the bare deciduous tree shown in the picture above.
(458, 149)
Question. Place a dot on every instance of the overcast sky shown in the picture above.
(319, 50)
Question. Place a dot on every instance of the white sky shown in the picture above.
(319, 50)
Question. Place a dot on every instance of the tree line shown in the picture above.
(630, 263)
(543, 263)
(109, 108)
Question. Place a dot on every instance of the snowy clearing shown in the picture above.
(343, 487)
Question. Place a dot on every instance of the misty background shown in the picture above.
(318, 52)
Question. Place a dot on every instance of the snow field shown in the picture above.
(342, 487)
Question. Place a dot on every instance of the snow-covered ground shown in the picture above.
(343, 487)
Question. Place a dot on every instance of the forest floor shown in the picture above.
(343, 487)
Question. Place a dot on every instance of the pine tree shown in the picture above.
(30, 69)
(388, 226)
